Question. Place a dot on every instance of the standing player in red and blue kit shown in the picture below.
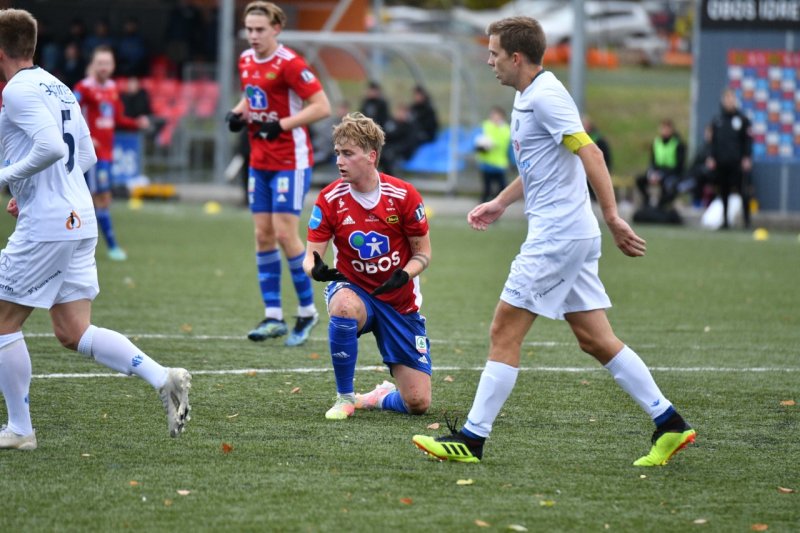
(276, 81)
(380, 246)
(103, 111)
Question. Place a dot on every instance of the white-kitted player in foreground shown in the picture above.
(49, 259)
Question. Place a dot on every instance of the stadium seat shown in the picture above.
(433, 157)
(207, 95)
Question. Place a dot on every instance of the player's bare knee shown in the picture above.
(287, 239)
(345, 304)
(343, 308)
(417, 404)
(69, 339)
(588, 345)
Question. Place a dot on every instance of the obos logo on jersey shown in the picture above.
(371, 246)
(106, 109)
(256, 97)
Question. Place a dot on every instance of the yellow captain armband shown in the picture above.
(576, 141)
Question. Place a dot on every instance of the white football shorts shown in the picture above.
(42, 274)
(555, 277)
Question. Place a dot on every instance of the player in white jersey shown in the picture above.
(49, 260)
(556, 271)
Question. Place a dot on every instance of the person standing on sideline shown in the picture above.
(102, 107)
(381, 245)
(492, 146)
(49, 259)
(276, 81)
(555, 273)
(730, 154)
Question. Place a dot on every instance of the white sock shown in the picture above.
(115, 351)
(497, 382)
(630, 373)
(275, 313)
(15, 381)
(306, 310)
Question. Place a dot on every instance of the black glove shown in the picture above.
(268, 130)
(398, 278)
(235, 121)
(322, 272)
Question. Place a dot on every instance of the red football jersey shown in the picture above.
(103, 111)
(276, 87)
(370, 244)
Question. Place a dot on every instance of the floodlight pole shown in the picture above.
(222, 144)
(577, 61)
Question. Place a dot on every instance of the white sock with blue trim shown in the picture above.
(630, 373)
(115, 351)
(15, 381)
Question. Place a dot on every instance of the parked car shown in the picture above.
(626, 25)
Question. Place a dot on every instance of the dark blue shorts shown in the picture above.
(98, 178)
(401, 339)
(277, 191)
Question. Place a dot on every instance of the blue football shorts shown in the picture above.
(401, 339)
(277, 191)
(98, 178)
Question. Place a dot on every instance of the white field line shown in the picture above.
(188, 337)
(302, 370)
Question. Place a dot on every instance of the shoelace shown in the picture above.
(452, 427)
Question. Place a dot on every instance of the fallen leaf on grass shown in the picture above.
(516, 527)
(133, 483)
(481, 523)
(547, 503)
(184, 492)
(585, 382)
(700, 521)
(435, 425)
(314, 356)
(406, 501)
(251, 372)
(295, 390)
(234, 415)
(186, 328)
(465, 482)
(788, 403)
(86, 455)
(448, 379)
(226, 448)
(785, 490)
(167, 502)
(759, 527)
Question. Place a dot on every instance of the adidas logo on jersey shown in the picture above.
(424, 360)
(348, 220)
(340, 355)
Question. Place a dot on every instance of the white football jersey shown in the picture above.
(556, 195)
(54, 204)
